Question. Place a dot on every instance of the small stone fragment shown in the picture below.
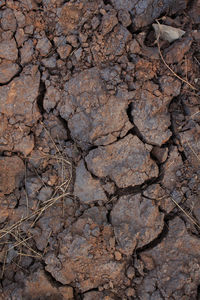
(130, 272)
(67, 292)
(26, 52)
(73, 40)
(160, 196)
(150, 115)
(170, 86)
(64, 51)
(134, 47)
(8, 50)
(117, 41)
(127, 162)
(171, 166)
(78, 53)
(136, 221)
(12, 168)
(70, 16)
(25, 145)
(20, 37)
(176, 52)
(8, 21)
(51, 98)
(95, 22)
(86, 188)
(160, 153)
(124, 17)
(107, 23)
(43, 46)
(8, 70)
(20, 17)
(49, 62)
(29, 29)
(118, 255)
(45, 193)
(130, 292)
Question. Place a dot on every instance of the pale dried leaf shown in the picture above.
(167, 33)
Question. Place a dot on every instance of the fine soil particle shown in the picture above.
(99, 150)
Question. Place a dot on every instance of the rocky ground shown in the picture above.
(99, 150)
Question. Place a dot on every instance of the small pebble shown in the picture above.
(118, 255)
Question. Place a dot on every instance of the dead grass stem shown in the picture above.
(60, 192)
(169, 68)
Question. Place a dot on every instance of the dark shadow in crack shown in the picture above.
(40, 98)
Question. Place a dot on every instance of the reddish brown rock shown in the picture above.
(51, 98)
(12, 168)
(8, 70)
(144, 12)
(141, 67)
(156, 193)
(160, 153)
(127, 162)
(150, 110)
(171, 166)
(170, 86)
(116, 43)
(25, 146)
(64, 51)
(176, 261)
(191, 144)
(176, 52)
(136, 221)
(26, 52)
(43, 46)
(86, 188)
(70, 16)
(18, 98)
(78, 251)
(39, 286)
(94, 116)
(107, 23)
(8, 21)
(19, 111)
(8, 50)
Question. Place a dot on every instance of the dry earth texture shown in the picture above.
(99, 150)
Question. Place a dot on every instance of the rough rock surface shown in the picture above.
(145, 11)
(126, 162)
(91, 239)
(94, 116)
(136, 221)
(12, 168)
(86, 188)
(19, 106)
(8, 50)
(150, 110)
(173, 264)
(8, 70)
(18, 98)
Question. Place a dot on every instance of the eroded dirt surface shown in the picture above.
(99, 151)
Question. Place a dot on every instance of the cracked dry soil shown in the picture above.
(99, 151)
